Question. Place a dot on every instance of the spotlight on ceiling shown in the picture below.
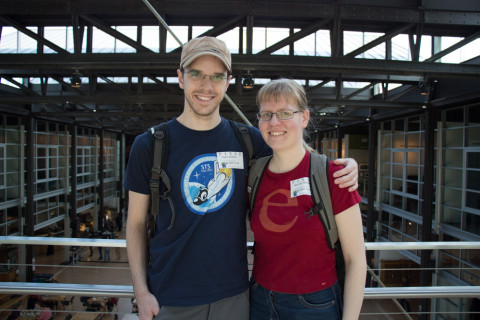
(248, 81)
(76, 80)
(424, 87)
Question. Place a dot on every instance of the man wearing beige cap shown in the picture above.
(198, 261)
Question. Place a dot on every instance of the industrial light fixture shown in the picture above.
(248, 81)
(76, 80)
(424, 87)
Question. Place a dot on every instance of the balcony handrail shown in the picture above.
(44, 288)
(31, 288)
(121, 243)
(127, 291)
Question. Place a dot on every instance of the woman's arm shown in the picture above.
(350, 231)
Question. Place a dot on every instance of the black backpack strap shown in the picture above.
(159, 181)
(320, 190)
(243, 136)
(254, 178)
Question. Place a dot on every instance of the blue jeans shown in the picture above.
(326, 304)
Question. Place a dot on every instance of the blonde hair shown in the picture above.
(290, 90)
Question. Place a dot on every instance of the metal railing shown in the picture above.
(126, 291)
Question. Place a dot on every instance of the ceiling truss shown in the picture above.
(148, 97)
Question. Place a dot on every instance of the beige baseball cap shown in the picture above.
(206, 46)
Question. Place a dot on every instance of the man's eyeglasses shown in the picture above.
(281, 115)
(197, 76)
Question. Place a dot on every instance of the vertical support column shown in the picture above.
(249, 34)
(388, 49)
(73, 182)
(428, 214)
(240, 40)
(78, 31)
(89, 39)
(139, 34)
(121, 164)
(291, 47)
(101, 178)
(371, 215)
(29, 213)
(340, 134)
(162, 33)
(41, 33)
(336, 34)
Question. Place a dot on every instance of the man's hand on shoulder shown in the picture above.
(348, 176)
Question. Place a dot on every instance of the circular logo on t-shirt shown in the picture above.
(206, 184)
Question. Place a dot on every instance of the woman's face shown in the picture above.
(283, 135)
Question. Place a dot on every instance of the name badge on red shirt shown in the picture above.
(300, 187)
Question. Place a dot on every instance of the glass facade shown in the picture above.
(52, 172)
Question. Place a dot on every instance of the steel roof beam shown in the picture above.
(114, 33)
(308, 67)
(379, 40)
(296, 36)
(10, 22)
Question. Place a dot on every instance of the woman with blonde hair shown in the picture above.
(294, 274)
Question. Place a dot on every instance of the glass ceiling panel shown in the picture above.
(25, 43)
(322, 43)
(151, 37)
(8, 83)
(274, 35)
(102, 42)
(462, 54)
(377, 52)
(129, 31)
(305, 46)
(182, 34)
(317, 44)
(354, 40)
(401, 48)
(56, 35)
(231, 39)
(353, 84)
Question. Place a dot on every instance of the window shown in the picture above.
(471, 191)
(47, 163)
(3, 168)
(401, 167)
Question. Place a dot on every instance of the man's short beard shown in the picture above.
(201, 115)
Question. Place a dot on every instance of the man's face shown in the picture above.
(203, 95)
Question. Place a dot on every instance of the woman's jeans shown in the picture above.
(326, 304)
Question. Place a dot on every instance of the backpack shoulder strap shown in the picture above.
(159, 180)
(255, 175)
(243, 136)
(320, 190)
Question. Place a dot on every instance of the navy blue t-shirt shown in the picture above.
(203, 258)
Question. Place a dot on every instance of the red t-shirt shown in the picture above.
(291, 253)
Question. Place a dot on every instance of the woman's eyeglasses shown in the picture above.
(281, 115)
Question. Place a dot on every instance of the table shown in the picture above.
(100, 300)
(11, 303)
(55, 301)
(86, 316)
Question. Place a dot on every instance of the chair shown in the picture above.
(94, 306)
(84, 301)
(51, 304)
(68, 303)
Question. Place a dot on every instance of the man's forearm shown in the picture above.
(137, 256)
